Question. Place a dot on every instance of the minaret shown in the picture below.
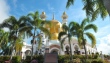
(64, 18)
(43, 17)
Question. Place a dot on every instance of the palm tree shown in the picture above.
(3, 41)
(81, 32)
(3, 37)
(67, 33)
(94, 7)
(16, 27)
(37, 26)
(18, 45)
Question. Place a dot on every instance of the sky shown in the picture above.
(19, 8)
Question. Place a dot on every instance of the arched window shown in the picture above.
(76, 50)
(67, 50)
(28, 52)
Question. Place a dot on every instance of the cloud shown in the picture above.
(102, 31)
(50, 8)
(76, 14)
(4, 10)
(104, 44)
(23, 8)
(14, 2)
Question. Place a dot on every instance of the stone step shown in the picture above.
(51, 58)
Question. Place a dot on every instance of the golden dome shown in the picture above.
(54, 29)
(56, 22)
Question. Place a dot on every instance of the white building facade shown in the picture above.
(53, 45)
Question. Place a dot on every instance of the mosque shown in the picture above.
(53, 45)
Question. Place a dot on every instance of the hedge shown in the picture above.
(15, 59)
(40, 58)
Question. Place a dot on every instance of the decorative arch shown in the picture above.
(28, 52)
(67, 49)
(54, 50)
(76, 48)
(57, 46)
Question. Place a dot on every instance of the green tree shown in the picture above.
(3, 42)
(82, 31)
(16, 27)
(37, 26)
(94, 7)
(67, 33)
(18, 45)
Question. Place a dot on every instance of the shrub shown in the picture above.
(40, 58)
(16, 59)
(97, 61)
(60, 59)
(96, 56)
(89, 56)
(28, 58)
(1, 57)
(6, 58)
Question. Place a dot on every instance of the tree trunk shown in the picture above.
(14, 45)
(12, 50)
(107, 5)
(32, 50)
(33, 42)
(71, 57)
(85, 49)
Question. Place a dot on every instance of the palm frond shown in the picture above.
(37, 23)
(27, 30)
(95, 14)
(65, 27)
(46, 22)
(80, 42)
(102, 9)
(84, 22)
(36, 15)
(92, 38)
(61, 34)
(24, 19)
(88, 6)
(91, 26)
(45, 31)
(69, 2)
(62, 42)
(31, 15)
(107, 5)
(72, 25)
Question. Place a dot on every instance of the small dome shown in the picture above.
(43, 13)
(64, 16)
(64, 13)
(43, 16)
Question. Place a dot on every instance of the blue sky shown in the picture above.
(18, 8)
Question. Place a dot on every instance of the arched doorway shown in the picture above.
(54, 51)
(28, 52)
(67, 50)
(76, 50)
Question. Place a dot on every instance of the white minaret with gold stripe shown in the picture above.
(64, 18)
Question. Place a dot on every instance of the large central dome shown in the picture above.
(55, 28)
